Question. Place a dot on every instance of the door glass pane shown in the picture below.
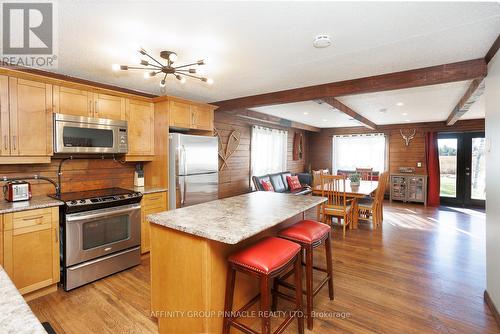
(87, 137)
(448, 166)
(478, 171)
(106, 231)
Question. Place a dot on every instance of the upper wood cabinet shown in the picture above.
(72, 101)
(109, 106)
(31, 248)
(186, 115)
(26, 121)
(180, 114)
(86, 103)
(202, 117)
(141, 129)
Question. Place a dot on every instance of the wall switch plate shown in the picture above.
(419, 164)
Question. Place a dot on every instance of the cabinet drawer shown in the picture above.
(29, 218)
(155, 202)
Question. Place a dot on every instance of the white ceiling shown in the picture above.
(259, 47)
(310, 113)
(422, 104)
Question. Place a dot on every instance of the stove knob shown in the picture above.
(82, 201)
(73, 202)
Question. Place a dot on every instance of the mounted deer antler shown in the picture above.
(408, 138)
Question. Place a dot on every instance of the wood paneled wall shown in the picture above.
(77, 175)
(320, 144)
(235, 178)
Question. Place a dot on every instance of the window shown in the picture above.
(268, 150)
(359, 151)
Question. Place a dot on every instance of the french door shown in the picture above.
(462, 167)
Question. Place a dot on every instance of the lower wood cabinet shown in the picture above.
(31, 248)
(1, 240)
(151, 203)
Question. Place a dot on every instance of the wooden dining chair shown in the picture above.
(337, 205)
(372, 207)
(365, 174)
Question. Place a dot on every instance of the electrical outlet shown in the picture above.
(419, 164)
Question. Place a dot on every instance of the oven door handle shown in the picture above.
(103, 214)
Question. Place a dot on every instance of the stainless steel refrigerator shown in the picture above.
(193, 169)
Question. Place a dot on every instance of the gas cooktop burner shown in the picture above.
(97, 199)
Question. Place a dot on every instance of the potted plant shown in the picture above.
(354, 178)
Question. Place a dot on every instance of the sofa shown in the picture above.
(280, 184)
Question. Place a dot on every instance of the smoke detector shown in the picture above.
(322, 41)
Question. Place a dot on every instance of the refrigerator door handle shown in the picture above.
(184, 162)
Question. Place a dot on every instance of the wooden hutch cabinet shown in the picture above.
(409, 188)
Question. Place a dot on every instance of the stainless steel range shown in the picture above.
(101, 234)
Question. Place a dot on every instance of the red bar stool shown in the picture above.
(265, 260)
(309, 234)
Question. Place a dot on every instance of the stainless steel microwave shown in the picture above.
(78, 134)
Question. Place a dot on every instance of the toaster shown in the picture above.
(17, 191)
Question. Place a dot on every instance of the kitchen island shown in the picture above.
(189, 248)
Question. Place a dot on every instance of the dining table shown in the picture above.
(353, 192)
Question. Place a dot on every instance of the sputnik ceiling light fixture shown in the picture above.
(154, 67)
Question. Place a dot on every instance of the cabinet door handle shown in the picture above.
(95, 109)
(33, 218)
(5, 142)
(90, 107)
(56, 235)
(14, 137)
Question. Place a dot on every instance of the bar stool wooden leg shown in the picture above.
(298, 292)
(265, 305)
(309, 286)
(228, 303)
(274, 305)
(329, 266)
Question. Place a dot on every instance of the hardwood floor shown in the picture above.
(423, 272)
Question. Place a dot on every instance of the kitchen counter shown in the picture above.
(149, 190)
(189, 250)
(15, 314)
(234, 219)
(36, 202)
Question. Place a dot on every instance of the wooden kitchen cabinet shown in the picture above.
(180, 114)
(71, 101)
(26, 121)
(31, 249)
(81, 102)
(1, 240)
(187, 115)
(151, 203)
(109, 106)
(141, 130)
(202, 117)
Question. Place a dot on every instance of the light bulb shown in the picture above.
(210, 81)
(162, 83)
(200, 71)
(136, 60)
(115, 67)
(148, 75)
(172, 57)
(183, 80)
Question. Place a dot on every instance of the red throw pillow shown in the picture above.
(293, 182)
(267, 185)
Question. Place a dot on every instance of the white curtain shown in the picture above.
(359, 151)
(268, 150)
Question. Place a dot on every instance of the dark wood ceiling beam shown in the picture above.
(348, 111)
(475, 90)
(273, 120)
(493, 50)
(460, 71)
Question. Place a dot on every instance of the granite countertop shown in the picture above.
(234, 219)
(149, 190)
(36, 202)
(15, 314)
